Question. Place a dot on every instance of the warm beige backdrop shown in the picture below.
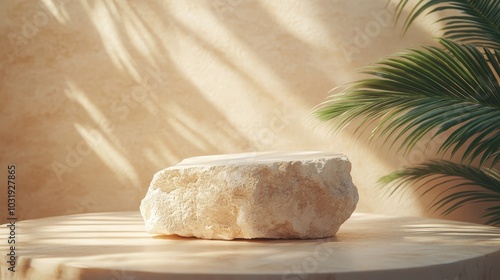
(96, 96)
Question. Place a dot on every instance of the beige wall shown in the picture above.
(96, 96)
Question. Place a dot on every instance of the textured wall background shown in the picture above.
(96, 96)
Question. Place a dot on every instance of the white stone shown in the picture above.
(252, 195)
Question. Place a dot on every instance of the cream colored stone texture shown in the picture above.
(257, 195)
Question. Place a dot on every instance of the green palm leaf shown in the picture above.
(453, 90)
(463, 177)
(478, 21)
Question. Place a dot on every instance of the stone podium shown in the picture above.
(115, 246)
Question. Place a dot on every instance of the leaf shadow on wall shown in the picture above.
(124, 110)
(125, 89)
(276, 40)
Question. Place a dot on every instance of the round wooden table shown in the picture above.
(114, 246)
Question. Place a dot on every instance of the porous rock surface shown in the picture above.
(252, 195)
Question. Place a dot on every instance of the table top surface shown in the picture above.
(115, 246)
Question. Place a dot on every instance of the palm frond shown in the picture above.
(493, 213)
(478, 21)
(431, 174)
(414, 93)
